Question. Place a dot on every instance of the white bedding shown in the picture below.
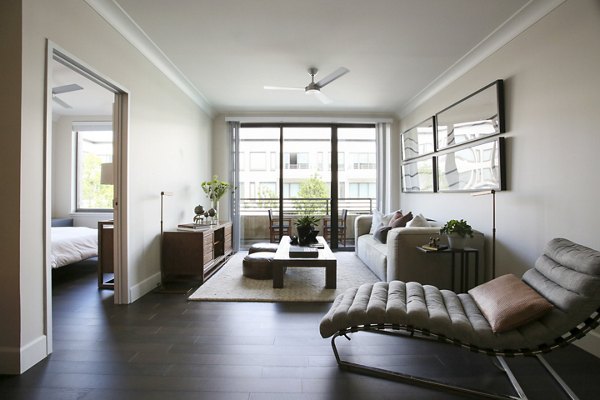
(73, 244)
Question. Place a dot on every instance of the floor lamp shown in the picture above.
(493, 193)
(162, 206)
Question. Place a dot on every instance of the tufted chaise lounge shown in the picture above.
(567, 275)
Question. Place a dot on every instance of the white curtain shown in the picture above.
(233, 128)
(383, 131)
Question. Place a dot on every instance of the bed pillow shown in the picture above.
(401, 222)
(508, 303)
(418, 221)
(381, 233)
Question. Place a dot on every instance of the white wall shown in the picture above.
(552, 89)
(10, 156)
(167, 151)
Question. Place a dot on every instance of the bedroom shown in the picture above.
(82, 181)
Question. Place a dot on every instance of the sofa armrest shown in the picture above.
(362, 226)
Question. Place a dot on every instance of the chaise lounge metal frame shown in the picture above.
(559, 253)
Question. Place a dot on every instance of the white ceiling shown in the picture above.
(91, 100)
(223, 52)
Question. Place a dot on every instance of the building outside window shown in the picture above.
(362, 189)
(363, 161)
(291, 190)
(258, 161)
(295, 161)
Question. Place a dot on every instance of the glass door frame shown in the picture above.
(334, 239)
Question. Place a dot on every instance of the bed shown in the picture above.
(71, 244)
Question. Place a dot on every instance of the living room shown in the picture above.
(549, 73)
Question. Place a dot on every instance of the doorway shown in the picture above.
(85, 162)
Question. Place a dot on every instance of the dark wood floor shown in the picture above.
(163, 347)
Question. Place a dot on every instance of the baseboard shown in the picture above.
(15, 361)
(590, 343)
(145, 286)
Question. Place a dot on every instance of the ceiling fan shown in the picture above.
(314, 88)
(64, 89)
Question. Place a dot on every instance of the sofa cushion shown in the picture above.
(374, 254)
(401, 222)
(418, 221)
(507, 303)
(381, 233)
(395, 216)
(380, 218)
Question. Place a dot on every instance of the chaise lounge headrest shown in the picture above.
(568, 275)
(574, 256)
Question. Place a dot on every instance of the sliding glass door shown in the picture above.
(286, 171)
(306, 184)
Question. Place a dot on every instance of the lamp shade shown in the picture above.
(106, 174)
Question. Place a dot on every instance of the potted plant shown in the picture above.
(305, 225)
(214, 190)
(457, 232)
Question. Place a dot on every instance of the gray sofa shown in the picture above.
(399, 258)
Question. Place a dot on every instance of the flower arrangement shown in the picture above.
(215, 189)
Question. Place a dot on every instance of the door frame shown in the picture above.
(120, 120)
(333, 126)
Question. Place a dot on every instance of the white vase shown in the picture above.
(215, 206)
(456, 242)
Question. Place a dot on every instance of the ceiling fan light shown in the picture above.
(312, 91)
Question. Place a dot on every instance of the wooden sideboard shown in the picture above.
(195, 255)
(105, 254)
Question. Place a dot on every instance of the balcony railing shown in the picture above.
(255, 223)
(302, 206)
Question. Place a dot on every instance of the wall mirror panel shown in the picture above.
(477, 167)
(477, 116)
(418, 176)
(419, 140)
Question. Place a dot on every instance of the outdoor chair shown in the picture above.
(274, 229)
(341, 228)
(566, 277)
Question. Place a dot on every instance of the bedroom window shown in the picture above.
(93, 147)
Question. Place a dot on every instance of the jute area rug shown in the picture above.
(299, 284)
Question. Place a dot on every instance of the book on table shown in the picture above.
(193, 227)
(433, 248)
(303, 252)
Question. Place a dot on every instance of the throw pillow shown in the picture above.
(401, 222)
(395, 216)
(375, 221)
(419, 221)
(508, 303)
(381, 233)
(380, 218)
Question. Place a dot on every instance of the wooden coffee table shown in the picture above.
(325, 260)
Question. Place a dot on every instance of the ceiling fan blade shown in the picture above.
(282, 88)
(333, 76)
(323, 98)
(62, 103)
(66, 88)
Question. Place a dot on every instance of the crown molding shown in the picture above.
(526, 16)
(132, 32)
